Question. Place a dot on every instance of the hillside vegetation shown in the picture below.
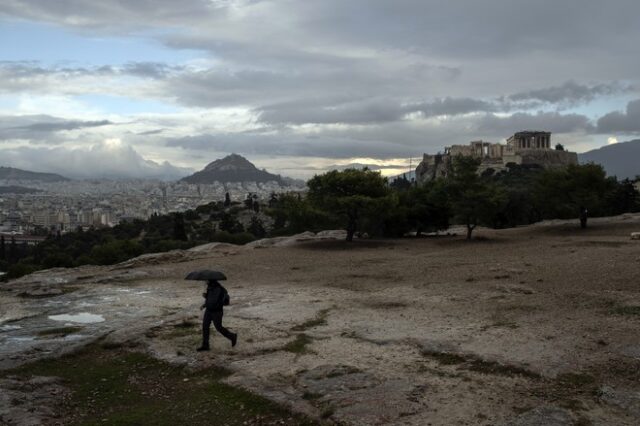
(358, 201)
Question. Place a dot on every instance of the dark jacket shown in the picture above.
(215, 297)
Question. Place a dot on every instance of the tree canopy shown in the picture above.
(349, 195)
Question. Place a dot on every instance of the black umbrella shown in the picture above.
(205, 275)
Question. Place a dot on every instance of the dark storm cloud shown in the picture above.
(368, 111)
(570, 92)
(289, 144)
(63, 125)
(112, 15)
(40, 127)
(371, 78)
(31, 76)
(622, 122)
(149, 69)
(549, 121)
(150, 132)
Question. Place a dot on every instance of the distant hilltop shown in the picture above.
(233, 168)
(12, 174)
(618, 159)
(528, 148)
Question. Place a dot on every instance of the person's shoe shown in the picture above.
(203, 348)
(234, 339)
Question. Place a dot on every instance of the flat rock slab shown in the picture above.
(625, 399)
(631, 351)
(543, 416)
(359, 398)
(327, 379)
(546, 415)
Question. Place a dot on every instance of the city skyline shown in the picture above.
(125, 89)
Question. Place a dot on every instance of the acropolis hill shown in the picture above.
(523, 148)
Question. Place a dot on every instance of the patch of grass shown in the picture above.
(108, 345)
(576, 380)
(495, 368)
(445, 358)
(327, 412)
(310, 396)
(59, 331)
(473, 363)
(347, 369)
(583, 421)
(436, 372)
(185, 323)
(320, 319)
(572, 404)
(387, 305)
(520, 308)
(501, 324)
(126, 388)
(182, 329)
(299, 344)
(626, 310)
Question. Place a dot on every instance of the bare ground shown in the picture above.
(527, 326)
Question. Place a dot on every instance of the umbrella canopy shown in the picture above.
(205, 275)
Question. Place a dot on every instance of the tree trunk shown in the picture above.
(470, 229)
(350, 233)
(351, 229)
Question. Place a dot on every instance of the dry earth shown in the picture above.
(530, 326)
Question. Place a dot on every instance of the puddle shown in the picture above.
(142, 292)
(21, 339)
(10, 327)
(75, 337)
(81, 318)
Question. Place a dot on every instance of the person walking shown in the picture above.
(216, 298)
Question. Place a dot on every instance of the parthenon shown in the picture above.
(529, 139)
(528, 147)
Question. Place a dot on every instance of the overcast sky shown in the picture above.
(157, 87)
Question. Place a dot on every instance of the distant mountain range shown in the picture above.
(619, 159)
(10, 173)
(233, 168)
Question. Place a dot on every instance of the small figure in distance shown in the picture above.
(583, 217)
(216, 298)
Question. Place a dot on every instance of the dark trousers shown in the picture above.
(216, 318)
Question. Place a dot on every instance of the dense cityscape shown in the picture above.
(64, 206)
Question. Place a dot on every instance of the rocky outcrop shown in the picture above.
(232, 168)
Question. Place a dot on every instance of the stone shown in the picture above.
(635, 235)
(626, 399)
(545, 415)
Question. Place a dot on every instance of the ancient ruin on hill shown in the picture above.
(523, 148)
